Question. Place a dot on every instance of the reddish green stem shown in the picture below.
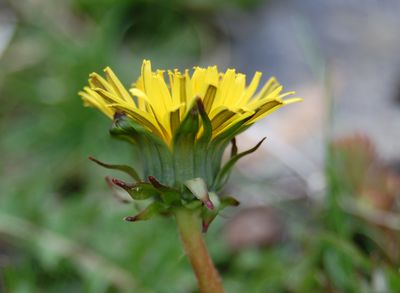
(189, 225)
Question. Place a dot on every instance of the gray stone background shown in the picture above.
(342, 57)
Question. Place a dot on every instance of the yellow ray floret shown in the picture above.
(161, 106)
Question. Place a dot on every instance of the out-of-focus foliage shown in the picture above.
(60, 228)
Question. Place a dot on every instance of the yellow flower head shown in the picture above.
(160, 106)
(181, 129)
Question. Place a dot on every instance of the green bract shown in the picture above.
(190, 173)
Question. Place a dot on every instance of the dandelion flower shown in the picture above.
(181, 123)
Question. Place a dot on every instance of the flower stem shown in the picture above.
(189, 226)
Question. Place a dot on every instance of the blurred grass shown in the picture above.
(61, 230)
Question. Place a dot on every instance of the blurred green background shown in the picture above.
(61, 230)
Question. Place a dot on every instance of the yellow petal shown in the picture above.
(117, 86)
(292, 100)
(232, 121)
(251, 89)
(91, 98)
(225, 87)
(96, 81)
(265, 110)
